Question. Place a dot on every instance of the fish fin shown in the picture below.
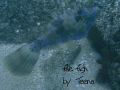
(22, 61)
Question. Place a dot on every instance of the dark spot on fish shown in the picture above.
(78, 17)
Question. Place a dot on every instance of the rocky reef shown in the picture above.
(110, 61)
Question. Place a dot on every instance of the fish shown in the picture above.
(73, 25)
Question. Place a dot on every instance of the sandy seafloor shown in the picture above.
(45, 78)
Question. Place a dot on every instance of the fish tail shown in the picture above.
(22, 61)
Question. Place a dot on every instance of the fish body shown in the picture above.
(72, 25)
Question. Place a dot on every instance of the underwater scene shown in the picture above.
(59, 44)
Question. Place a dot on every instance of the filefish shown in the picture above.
(72, 25)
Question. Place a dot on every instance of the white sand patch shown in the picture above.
(35, 81)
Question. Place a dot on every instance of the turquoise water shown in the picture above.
(83, 34)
